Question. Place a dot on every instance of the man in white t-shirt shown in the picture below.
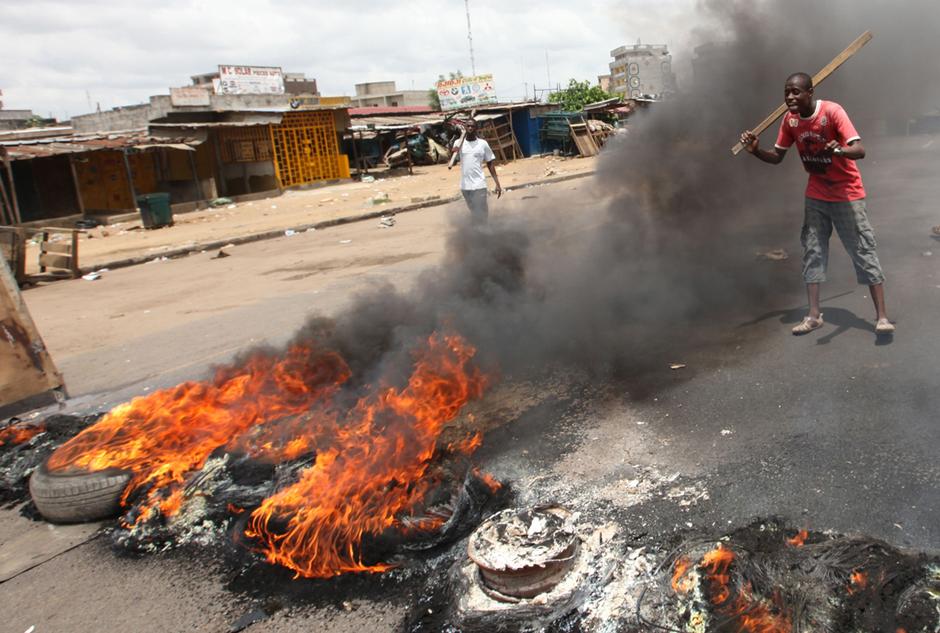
(474, 151)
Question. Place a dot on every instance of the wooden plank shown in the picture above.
(15, 204)
(839, 59)
(56, 247)
(54, 260)
(26, 369)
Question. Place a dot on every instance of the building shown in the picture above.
(604, 82)
(205, 93)
(385, 94)
(642, 70)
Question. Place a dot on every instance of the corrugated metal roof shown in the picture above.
(25, 149)
(389, 111)
(395, 122)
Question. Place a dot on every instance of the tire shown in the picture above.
(77, 498)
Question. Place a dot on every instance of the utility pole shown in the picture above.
(473, 65)
(548, 71)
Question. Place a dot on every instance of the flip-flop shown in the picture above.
(807, 325)
(884, 326)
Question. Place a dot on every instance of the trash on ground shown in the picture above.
(220, 255)
(928, 253)
(92, 276)
(387, 222)
(936, 230)
(726, 431)
(221, 202)
(290, 232)
(382, 198)
(345, 241)
(675, 366)
(775, 255)
(368, 179)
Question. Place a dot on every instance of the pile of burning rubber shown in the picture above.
(319, 476)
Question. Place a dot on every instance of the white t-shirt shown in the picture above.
(473, 155)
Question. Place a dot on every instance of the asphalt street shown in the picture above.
(836, 430)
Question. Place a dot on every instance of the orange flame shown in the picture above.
(19, 433)
(373, 469)
(799, 539)
(491, 482)
(681, 583)
(162, 437)
(857, 581)
(372, 461)
(752, 613)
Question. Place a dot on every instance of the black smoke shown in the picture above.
(670, 257)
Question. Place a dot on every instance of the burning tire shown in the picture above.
(77, 497)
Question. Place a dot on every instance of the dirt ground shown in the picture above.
(295, 208)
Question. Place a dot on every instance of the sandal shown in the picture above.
(884, 326)
(807, 325)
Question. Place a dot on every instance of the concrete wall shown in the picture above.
(393, 99)
(128, 118)
(375, 88)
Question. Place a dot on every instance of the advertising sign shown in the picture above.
(189, 96)
(466, 92)
(251, 80)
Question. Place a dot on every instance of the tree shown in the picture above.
(578, 94)
(433, 99)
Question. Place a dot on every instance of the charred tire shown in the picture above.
(77, 497)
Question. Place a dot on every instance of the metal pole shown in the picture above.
(130, 180)
(192, 165)
(17, 218)
(473, 65)
(78, 189)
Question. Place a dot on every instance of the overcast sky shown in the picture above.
(59, 57)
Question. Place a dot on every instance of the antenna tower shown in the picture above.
(473, 65)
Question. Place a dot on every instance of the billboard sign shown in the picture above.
(466, 92)
(251, 80)
(189, 96)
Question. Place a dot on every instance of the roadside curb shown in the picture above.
(323, 224)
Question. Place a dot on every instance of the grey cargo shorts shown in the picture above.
(850, 219)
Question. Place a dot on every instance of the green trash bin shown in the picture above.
(155, 210)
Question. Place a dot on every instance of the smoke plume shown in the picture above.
(673, 253)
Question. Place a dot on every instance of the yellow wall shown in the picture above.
(306, 149)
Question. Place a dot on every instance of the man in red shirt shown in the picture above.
(835, 196)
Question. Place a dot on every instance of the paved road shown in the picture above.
(835, 430)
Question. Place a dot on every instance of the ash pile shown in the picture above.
(548, 569)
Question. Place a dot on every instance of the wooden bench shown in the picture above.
(60, 256)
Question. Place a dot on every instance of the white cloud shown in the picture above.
(121, 52)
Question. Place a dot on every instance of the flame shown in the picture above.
(491, 482)
(751, 613)
(372, 464)
(799, 539)
(19, 433)
(681, 583)
(162, 437)
(372, 470)
(857, 581)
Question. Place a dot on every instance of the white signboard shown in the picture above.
(189, 96)
(251, 80)
(466, 92)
